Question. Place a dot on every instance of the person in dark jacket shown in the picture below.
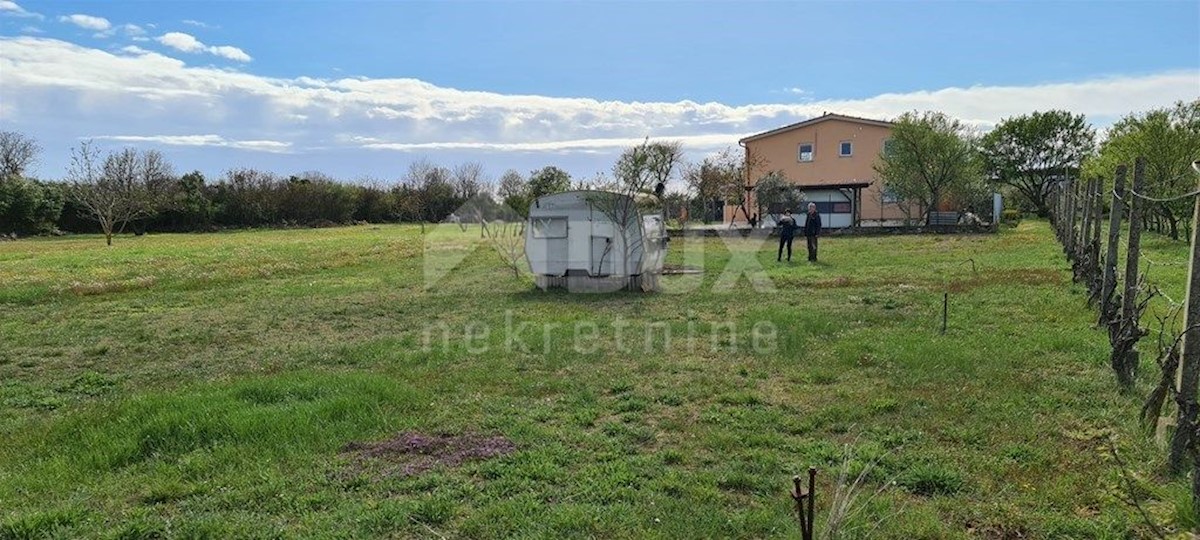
(812, 230)
(787, 231)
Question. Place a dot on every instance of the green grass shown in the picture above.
(203, 386)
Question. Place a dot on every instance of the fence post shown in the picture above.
(1114, 240)
(1085, 223)
(1128, 364)
(1098, 221)
(1069, 229)
(1093, 242)
(1189, 363)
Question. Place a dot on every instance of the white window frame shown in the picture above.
(542, 227)
(842, 144)
(812, 152)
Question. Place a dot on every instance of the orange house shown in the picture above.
(829, 158)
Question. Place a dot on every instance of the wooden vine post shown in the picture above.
(1114, 239)
(1182, 443)
(1126, 362)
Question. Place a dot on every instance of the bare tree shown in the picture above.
(508, 240)
(639, 171)
(469, 180)
(128, 186)
(726, 177)
(17, 154)
(513, 191)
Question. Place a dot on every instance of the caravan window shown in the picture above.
(549, 227)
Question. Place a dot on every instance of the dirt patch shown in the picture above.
(412, 453)
(1027, 276)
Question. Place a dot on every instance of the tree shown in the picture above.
(649, 166)
(513, 191)
(773, 193)
(432, 193)
(639, 171)
(26, 206)
(189, 207)
(930, 156)
(29, 206)
(17, 154)
(1031, 153)
(1169, 139)
(469, 181)
(548, 180)
(721, 178)
(128, 186)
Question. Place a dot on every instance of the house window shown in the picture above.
(846, 149)
(889, 196)
(888, 147)
(805, 152)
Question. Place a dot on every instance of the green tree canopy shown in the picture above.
(1169, 139)
(930, 156)
(1032, 152)
(774, 193)
(548, 180)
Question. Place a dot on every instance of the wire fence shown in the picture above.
(1121, 302)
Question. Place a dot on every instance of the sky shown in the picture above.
(361, 89)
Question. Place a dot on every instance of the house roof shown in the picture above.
(817, 120)
(843, 185)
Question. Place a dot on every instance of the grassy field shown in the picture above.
(208, 386)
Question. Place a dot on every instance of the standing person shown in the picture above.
(812, 230)
(754, 221)
(787, 230)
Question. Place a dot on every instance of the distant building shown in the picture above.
(829, 159)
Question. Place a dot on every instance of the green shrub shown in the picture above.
(29, 206)
(1011, 217)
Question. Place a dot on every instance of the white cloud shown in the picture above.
(197, 24)
(10, 8)
(87, 21)
(181, 42)
(232, 53)
(693, 142)
(131, 31)
(199, 140)
(30, 29)
(134, 49)
(87, 90)
(189, 44)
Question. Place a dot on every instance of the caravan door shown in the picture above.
(552, 233)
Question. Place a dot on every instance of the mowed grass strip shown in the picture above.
(212, 394)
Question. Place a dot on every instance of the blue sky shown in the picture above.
(363, 88)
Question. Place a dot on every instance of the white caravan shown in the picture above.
(574, 240)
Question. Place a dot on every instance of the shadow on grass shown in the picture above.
(558, 296)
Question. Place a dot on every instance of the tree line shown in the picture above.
(930, 160)
(933, 158)
(133, 190)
